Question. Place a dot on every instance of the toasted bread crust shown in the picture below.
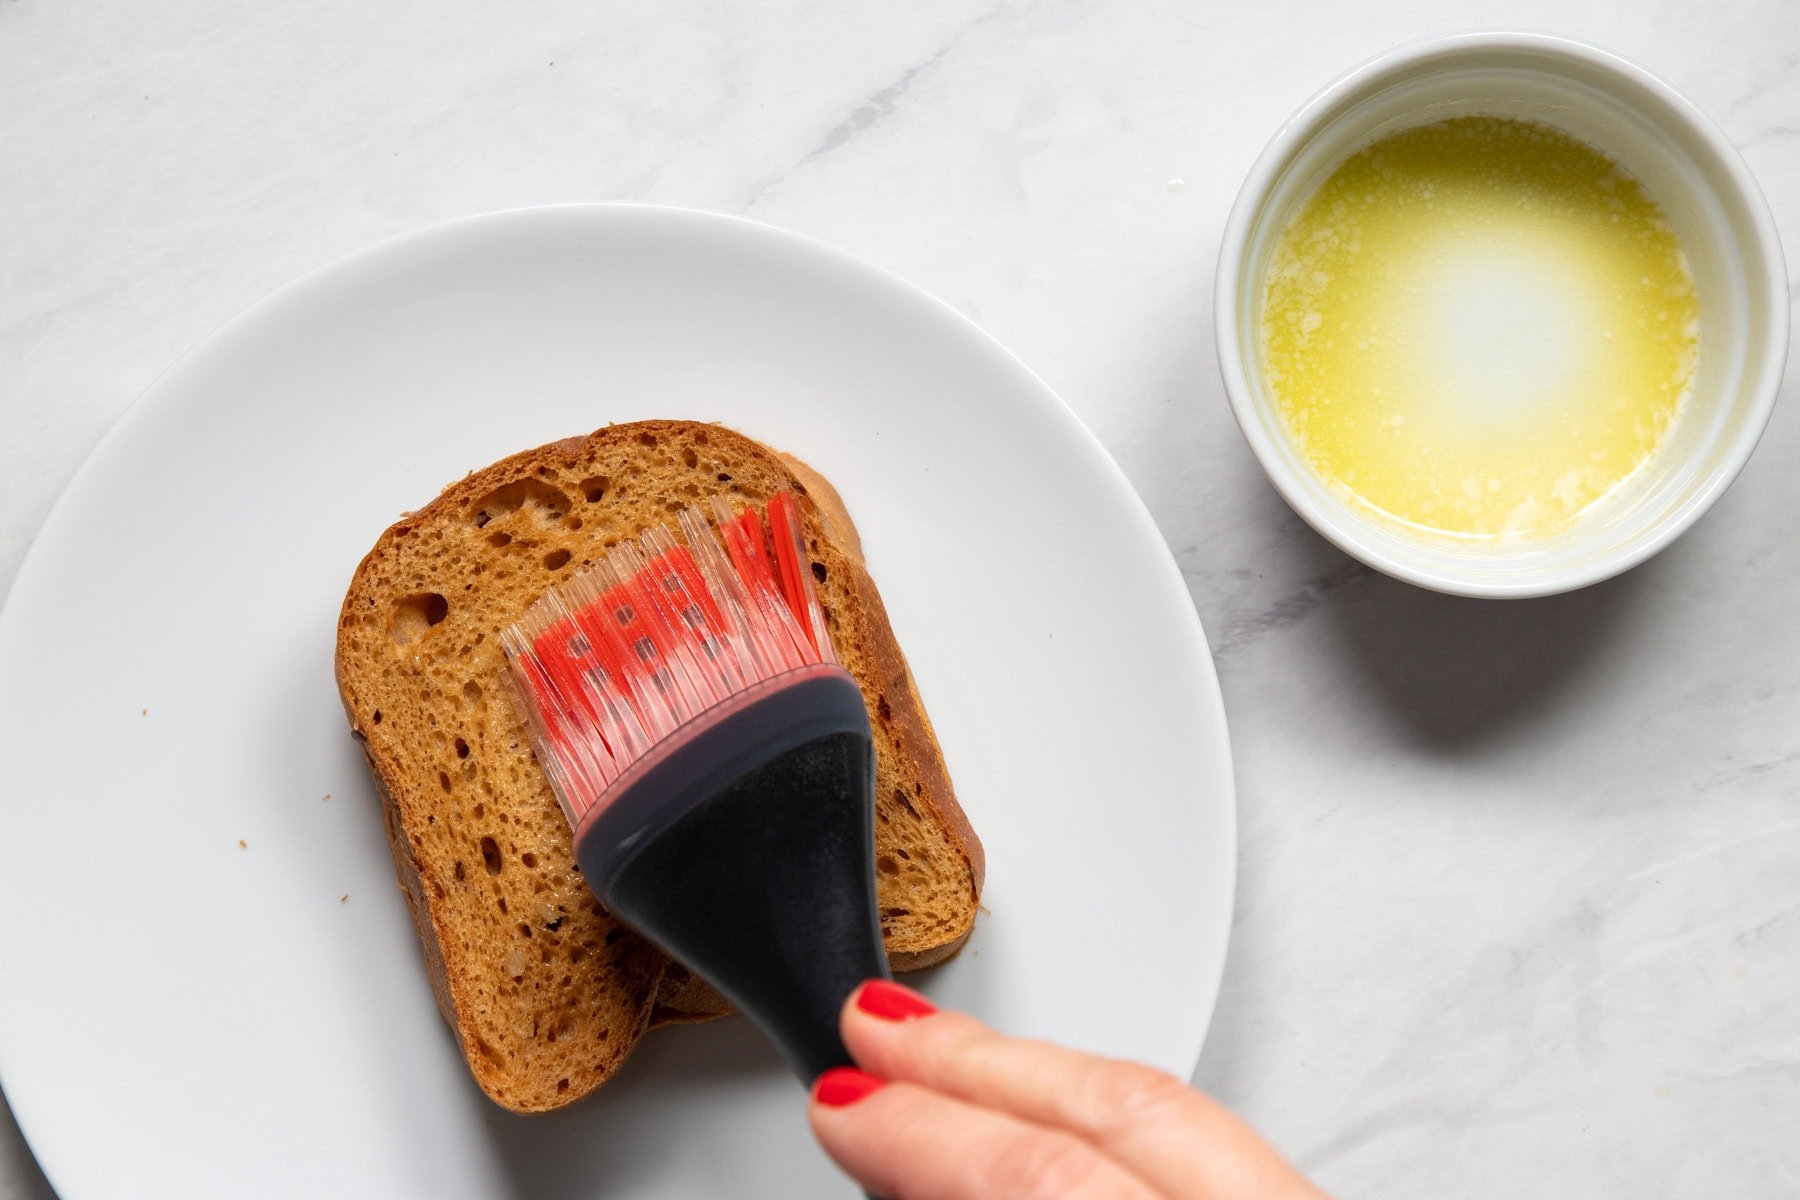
(643, 989)
(916, 733)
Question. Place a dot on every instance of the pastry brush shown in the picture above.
(714, 760)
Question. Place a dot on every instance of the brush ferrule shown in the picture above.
(726, 743)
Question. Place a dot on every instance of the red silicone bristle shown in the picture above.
(681, 580)
(664, 645)
(602, 612)
(744, 542)
(713, 638)
(693, 620)
(620, 613)
(787, 555)
(654, 635)
(796, 573)
(579, 665)
(580, 766)
(563, 655)
(750, 555)
(601, 656)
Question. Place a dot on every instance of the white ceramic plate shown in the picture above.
(183, 1017)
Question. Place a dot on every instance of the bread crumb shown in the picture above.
(344, 897)
(242, 844)
(143, 712)
(325, 797)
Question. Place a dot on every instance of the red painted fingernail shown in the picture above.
(891, 1002)
(843, 1086)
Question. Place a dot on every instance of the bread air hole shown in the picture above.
(594, 490)
(490, 855)
(416, 613)
(529, 859)
(556, 560)
(462, 748)
(532, 495)
(819, 571)
(690, 458)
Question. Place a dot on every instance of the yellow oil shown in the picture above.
(1479, 327)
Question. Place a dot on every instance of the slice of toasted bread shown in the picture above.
(546, 993)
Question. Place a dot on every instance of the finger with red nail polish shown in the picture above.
(892, 1002)
(841, 1087)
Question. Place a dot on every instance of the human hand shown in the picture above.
(944, 1108)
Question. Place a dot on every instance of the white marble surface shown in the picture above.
(1520, 907)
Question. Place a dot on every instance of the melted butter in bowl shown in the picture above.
(1478, 327)
(1500, 314)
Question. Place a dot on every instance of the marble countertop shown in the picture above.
(1519, 909)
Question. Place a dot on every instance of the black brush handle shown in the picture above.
(766, 889)
(744, 846)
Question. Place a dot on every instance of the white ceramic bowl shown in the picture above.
(1685, 163)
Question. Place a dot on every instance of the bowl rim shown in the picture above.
(1318, 112)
